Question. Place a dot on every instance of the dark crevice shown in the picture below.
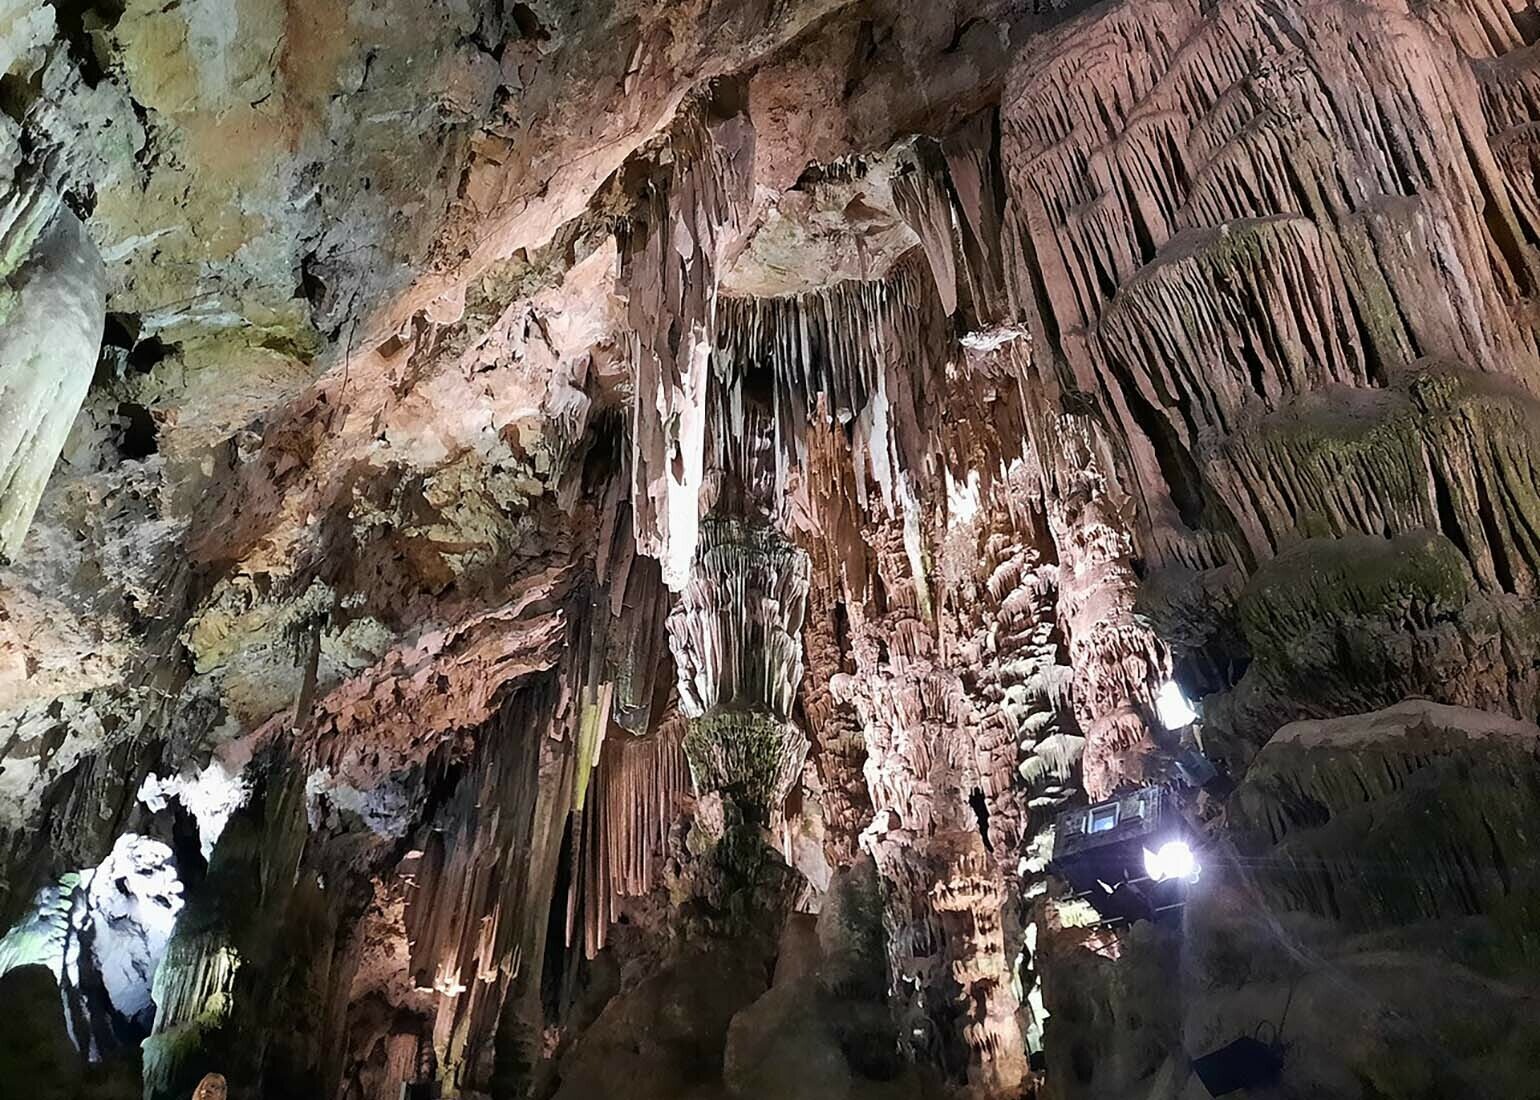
(1255, 367)
(862, 57)
(842, 636)
(125, 352)
(959, 34)
(1357, 324)
(1081, 1063)
(528, 23)
(1176, 465)
(139, 436)
(1492, 529)
(1142, 232)
(1448, 519)
(317, 286)
(1500, 231)
(146, 354)
(553, 973)
(80, 24)
(186, 845)
(981, 811)
(1499, 864)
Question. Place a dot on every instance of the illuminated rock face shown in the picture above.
(53, 314)
(102, 932)
(736, 639)
(597, 539)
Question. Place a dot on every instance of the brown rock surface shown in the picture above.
(601, 537)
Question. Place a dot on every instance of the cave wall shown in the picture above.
(600, 541)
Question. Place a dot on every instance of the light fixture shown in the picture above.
(1127, 858)
(1238, 1065)
(1172, 860)
(1172, 707)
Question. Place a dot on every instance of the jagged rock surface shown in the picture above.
(599, 540)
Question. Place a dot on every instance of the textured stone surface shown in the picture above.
(600, 537)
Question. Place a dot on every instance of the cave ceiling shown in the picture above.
(579, 550)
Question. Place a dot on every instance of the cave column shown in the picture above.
(1119, 663)
(944, 894)
(736, 640)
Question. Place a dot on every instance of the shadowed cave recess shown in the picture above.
(769, 550)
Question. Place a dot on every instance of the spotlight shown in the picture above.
(1130, 857)
(1173, 860)
(1172, 707)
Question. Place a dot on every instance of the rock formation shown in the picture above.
(580, 551)
(53, 319)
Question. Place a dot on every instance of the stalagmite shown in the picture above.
(1119, 663)
(969, 899)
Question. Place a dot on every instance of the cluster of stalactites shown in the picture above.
(747, 756)
(671, 251)
(951, 194)
(1273, 219)
(736, 639)
(736, 634)
(194, 992)
(639, 786)
(863, 353)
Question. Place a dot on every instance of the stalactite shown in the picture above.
(1177, 169)
(193, 992)
(671, 248)
(921, 197)
(1443, 448)
(949, 193)
(477, 914)
(736, 637)
(638, 658)
(862, 354)
(641, 783)
(51, 317)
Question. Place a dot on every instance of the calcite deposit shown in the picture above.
(557, 550)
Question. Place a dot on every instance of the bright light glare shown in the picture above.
(1173, 708)
(1173, 860)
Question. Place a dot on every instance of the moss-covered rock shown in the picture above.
(1346, 625)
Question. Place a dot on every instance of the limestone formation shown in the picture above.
(53, 313)
(560, 550)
